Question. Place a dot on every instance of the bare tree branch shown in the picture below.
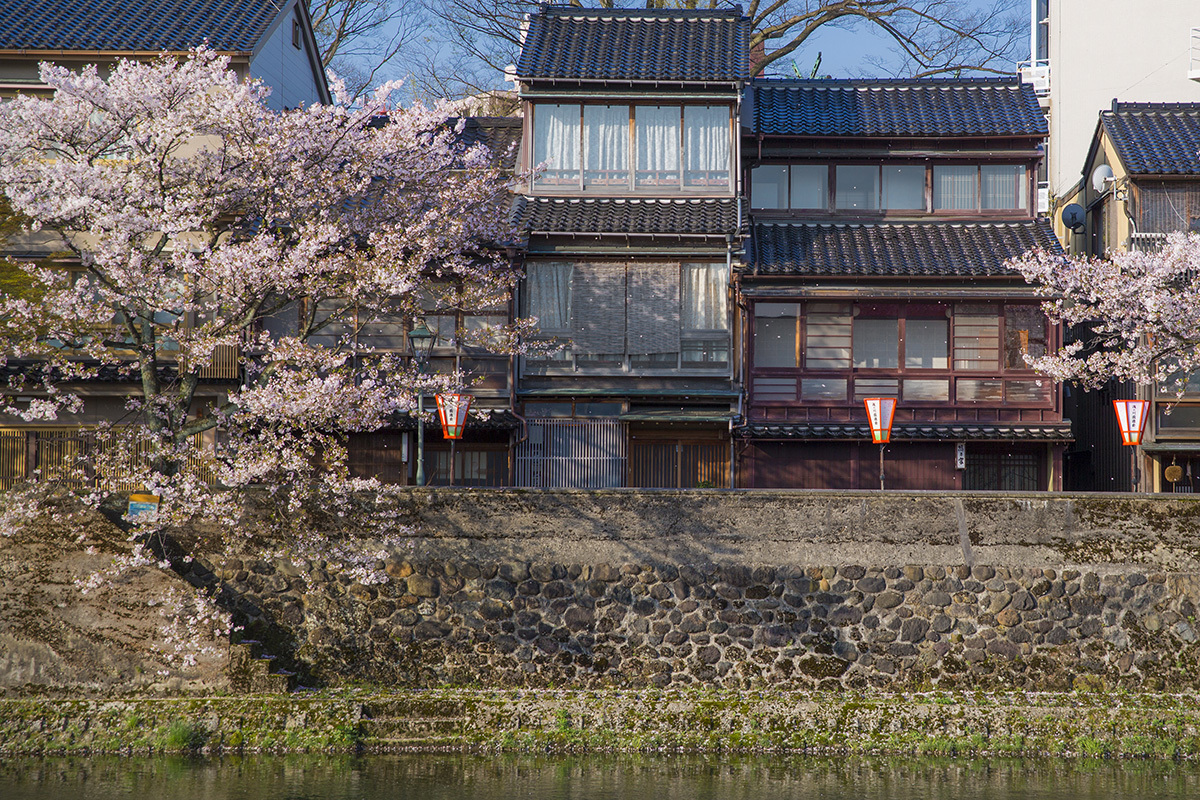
(366, 40)
(477, 39)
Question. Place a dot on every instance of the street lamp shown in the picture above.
(420, 342)
(452, 410)
(880, 413)
(1131, 419)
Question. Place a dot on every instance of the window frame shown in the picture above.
(928, 210)
(904, 312)
(631, 186)
(569, 362)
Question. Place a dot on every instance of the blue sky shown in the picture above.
(846, 52)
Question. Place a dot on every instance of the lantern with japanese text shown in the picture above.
(1131, 419)
(452, 410)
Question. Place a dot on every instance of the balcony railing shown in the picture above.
(1146, 242)
(1038, 74)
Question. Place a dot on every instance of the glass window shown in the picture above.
(976, 337)
(877, 343)
(769, 186)
(1030, 391)
(705, 353)
(823, 388)
(606, 145)
(876, 387)
(1003, 186)
(556, 144)
(657, 132)
(858, 188)
(775, 389)
(775, 327)
(955, 188)
(548, 296)
(926, 391)
(706, 145)
(705, 292)
(926, 343)
(980, 390)
(1178, 416)
(810, 186)
(904, 187)
(827, 336)
(1024, 334)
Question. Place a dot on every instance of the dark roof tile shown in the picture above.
(917, 431)
(501, 135)
(910, 249)
(925, 107)
(142, 25)
(571, 43)
(1155, 138)
(713, 217)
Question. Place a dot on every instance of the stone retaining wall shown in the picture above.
(727, 619)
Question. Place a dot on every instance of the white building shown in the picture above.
(1086, 53)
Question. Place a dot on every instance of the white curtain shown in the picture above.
(657, 144)
(556, 143)
(548, 292)
(606, 144)
(706, 143)
(1003, 186)
(704, 297)
(954, 188)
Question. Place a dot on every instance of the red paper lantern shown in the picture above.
(452, 410)
(880, 413)
(1131, 419)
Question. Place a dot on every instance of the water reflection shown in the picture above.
(475, 777)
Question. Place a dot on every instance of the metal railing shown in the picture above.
(1146, 242)
(1037, 73)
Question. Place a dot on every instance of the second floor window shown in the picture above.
(841, 352)
(630, 317)
(620, 149)
(874, 188)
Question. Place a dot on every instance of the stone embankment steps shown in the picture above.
(250, 670)
(402, 723)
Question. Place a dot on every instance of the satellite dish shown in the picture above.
(1101, 175)
(1073, 216)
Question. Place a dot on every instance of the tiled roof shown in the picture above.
(1155, 138)
(144, 25)
(953, 432)
(640, 44)
(627, 216)
(919, 248)
(926, 107)
(502, 135)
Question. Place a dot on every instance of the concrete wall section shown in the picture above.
(1105, 49)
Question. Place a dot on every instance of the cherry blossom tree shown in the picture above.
(187, 219)
(1136, 315)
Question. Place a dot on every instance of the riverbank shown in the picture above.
(1084, 725)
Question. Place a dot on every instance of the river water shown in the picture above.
(474, 777)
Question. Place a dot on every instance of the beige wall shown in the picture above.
(1105, 49)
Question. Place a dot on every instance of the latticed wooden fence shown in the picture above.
(80, 458)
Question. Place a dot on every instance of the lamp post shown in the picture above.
(1131, 419)
(880, 413)
(452, 410)
(420, 341)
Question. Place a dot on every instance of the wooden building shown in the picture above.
(633, 219)
(881, 216)
(1140, 181)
